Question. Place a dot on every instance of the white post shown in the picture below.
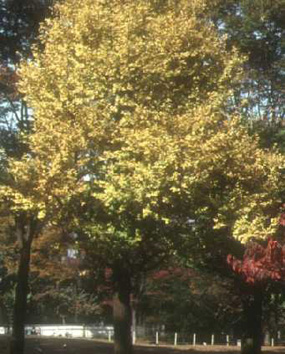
(212, 339)
(156, 338)
(279, 334)
(175, 339)
(109, 336)
(134, 337)
(228, 340)
(272, 342)
(194, 339)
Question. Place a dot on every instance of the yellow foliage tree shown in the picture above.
(130, 102)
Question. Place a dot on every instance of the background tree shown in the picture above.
(190, 301)
(19, 23)
(58, 281)
(257, 28)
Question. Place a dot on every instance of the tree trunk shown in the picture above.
(122, 312)
(252, 339)
(25, 232)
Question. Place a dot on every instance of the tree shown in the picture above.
(189, 300)
(257, 28)
(7, 282)
(131, 136)
(19, 23)
(259, 266)
(57, 281)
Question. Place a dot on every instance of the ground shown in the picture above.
(76, 346)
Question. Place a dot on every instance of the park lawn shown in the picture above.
(43, 345)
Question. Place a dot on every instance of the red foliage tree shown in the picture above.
(260, 265)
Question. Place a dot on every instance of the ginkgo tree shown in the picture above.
(132, 136)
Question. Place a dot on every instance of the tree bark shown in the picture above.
(122, 312)
(25, 228)
(253, 337)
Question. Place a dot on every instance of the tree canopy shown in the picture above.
(129, 108)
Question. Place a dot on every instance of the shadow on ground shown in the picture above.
(40, 345)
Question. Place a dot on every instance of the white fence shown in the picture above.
(142, 334)
(75, 331)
